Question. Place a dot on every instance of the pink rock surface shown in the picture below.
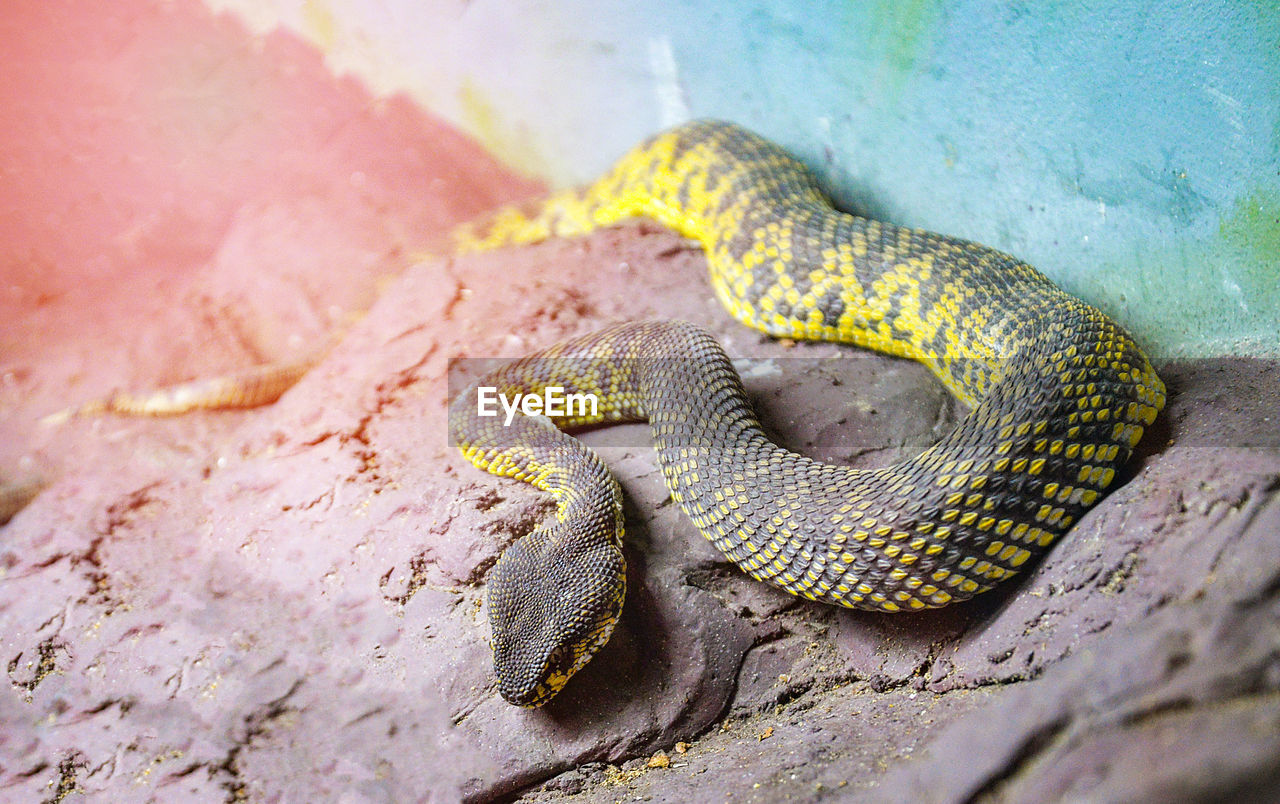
(181, 199)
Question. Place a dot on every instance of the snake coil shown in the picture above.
(1059, 394)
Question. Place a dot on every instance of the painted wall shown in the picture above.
(1130, 150)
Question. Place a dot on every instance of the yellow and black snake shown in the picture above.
(1059, 393)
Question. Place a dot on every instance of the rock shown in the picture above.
(331, 572)
(1149, 632)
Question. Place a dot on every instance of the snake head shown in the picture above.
(554, 598)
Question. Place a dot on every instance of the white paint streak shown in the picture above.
(1231, 109)
(1234, 290)
(672, 107)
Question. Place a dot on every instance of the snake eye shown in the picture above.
(560, 660)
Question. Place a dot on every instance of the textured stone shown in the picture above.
(1148, 634)
(332, 563)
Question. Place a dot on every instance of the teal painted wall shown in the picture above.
(1130, 150)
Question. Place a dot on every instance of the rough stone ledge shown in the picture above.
(300, 612)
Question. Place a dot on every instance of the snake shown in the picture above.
(1058, 394)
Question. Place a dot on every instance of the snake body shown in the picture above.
(1059, 393)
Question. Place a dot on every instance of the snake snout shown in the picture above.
(535, 689)
(553, 601)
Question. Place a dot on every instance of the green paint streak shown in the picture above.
(902, 29)
(896, 36)
(1247, 259)
(1254, 228)
(1196, 294)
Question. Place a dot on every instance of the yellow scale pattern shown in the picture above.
(1060, 396)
